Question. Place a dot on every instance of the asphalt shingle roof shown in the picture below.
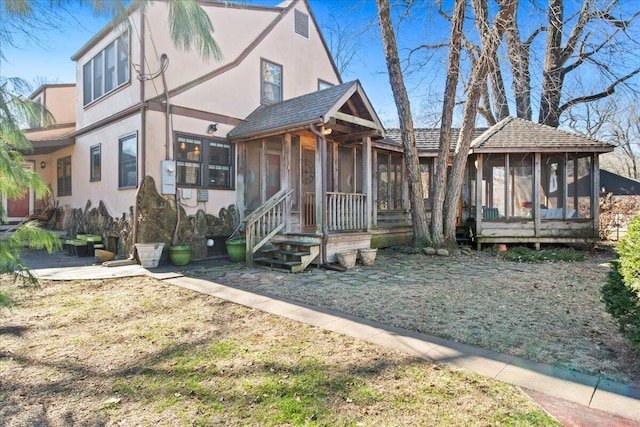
(516, 133)
(427, 139)
(291, 113)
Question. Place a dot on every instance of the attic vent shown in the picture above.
(301, 23)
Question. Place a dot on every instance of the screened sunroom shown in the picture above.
(530, 183)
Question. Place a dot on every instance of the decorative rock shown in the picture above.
(442, 252)
(429, 251)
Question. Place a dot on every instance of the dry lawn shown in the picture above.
(138, 351)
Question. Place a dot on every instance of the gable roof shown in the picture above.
(320, 107)
(618, 185)
(513, 134)
(427, 139)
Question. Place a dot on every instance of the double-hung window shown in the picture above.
(106, 71)
(203, 162)
(128, 161)
(271, 82)
(64, 176)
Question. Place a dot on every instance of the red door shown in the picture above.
(18, 208)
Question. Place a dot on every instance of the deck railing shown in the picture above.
(308, 210)
(265, 222)
(346, 211)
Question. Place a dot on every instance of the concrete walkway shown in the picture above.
(599, 402)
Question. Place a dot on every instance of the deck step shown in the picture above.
(292, 255)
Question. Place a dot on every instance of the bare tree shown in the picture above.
(418, 213)
(440, 172)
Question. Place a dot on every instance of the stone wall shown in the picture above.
(157, 221)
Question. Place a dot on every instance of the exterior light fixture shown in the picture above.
(327, 131)
(42, 164)
(213, 127)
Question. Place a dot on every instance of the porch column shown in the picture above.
(241, 156)
(366, 180)
(321, 183)
(285, 179)
(537, 170)
(479, 199)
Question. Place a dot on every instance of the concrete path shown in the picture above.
(599, 402)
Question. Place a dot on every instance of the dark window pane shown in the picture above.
(128, 161)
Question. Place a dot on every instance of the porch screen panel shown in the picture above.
(252, 175)
(426, 166)
(359, 171)
(345, 170)
(383, 181)
(274, 158)
(396, 182)
(552, 176)
(579, 186)
(493, 181)
(295, 171)
(521, 185)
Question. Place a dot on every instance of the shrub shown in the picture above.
(622, 289)
(622, 303)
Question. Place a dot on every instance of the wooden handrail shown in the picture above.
(265, 222)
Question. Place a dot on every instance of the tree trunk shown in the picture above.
(440, 172)
(418, 213)
(519, 59)
(553, 74)
(478, 76)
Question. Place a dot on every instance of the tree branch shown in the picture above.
(608, 91)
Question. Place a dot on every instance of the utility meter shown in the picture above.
(168, 176)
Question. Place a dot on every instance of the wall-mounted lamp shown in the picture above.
(42, 164)
(213, 127)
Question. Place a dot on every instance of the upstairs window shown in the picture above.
(271, 76)
(301, 23)
(106, 71)
(203, 162)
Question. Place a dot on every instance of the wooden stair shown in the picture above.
(291, 255)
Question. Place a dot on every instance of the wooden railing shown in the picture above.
(346, 211)
(265, 222)
(308, 210)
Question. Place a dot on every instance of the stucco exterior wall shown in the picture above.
(117, 201)
(119, 99)
(60, 101)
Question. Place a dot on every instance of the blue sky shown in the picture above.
(49, 57)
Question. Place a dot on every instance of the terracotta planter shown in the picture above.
(180, 254)
(237, 250)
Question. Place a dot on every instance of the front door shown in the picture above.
(19, 209)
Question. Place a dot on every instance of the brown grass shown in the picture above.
(140, 352)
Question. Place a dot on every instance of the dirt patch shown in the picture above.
(546, 312)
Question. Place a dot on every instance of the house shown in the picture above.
(273, 132)
(46, 138)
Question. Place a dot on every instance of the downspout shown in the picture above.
(143, 135)
(323, 159)
(167, 107)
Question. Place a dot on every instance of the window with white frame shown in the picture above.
(106, 71)
(271, 82)
(128, 161)
(203, 162)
